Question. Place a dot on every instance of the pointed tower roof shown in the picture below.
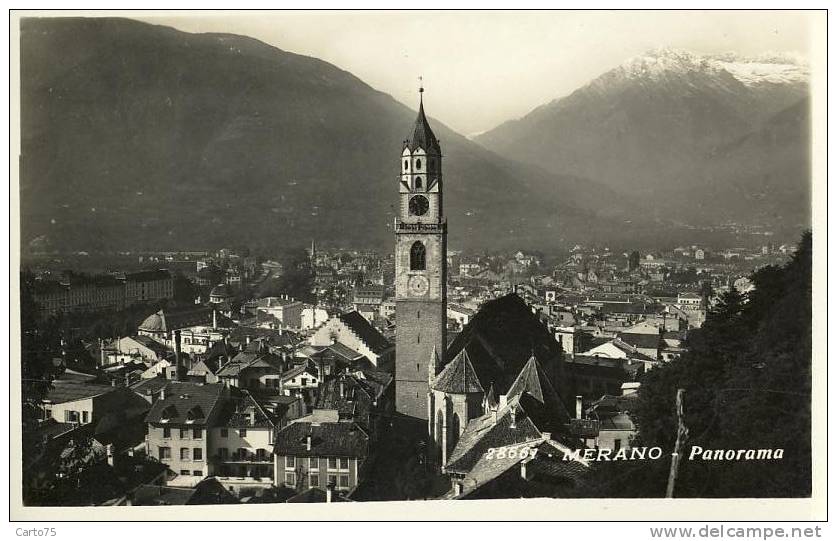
(534, 382)
(423, 136)
(458, 377)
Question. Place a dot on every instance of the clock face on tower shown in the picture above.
(418, 285)
(419, 205)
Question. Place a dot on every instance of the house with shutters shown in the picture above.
(178, 425)
(88, 403)
(319, 451)
(241, 442)
(253, 371)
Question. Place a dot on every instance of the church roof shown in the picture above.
(536, 391)
(423, 136)
(500, 339)
(512, 425)
(458, 377)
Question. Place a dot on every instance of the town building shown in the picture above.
(178, 425)
(286, 310)
(79, 294)
(320, 450)
(128, 349)
(200, 327)
(84, 403)
(241, 443)
(356, 333)
(148, 286)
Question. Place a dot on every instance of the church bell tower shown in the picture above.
(420, 269)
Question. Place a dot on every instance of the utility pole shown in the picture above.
(682, 435)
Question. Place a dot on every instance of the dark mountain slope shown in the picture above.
(140, 136)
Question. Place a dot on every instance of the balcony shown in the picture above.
(236, 458)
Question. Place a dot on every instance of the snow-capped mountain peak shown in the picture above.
(772, 67)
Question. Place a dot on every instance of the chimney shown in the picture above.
(457, 488)
(110, 452)
(214, 318)
(247, 340)
(177, 354)
(308, 442)
(342, 389)
(523, 470)
(513, 418)
(252, 415)
(578, 407)
(329, 492)
(163, 393)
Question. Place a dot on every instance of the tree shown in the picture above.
(40, 344)
(633, 260)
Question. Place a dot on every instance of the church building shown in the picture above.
(500, 382)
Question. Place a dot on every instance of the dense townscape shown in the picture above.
(335, 375)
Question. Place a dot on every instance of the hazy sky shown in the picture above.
(482, 68)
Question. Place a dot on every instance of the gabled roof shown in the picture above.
(236, 410)
(342, 439)
(183, 398)
(298, 370)
(70, 391)
(337, 350)
(458, 377)
(548, 463)
(640, 340)
(151, 344)
(245, 360)
(423, 137)
(360, 390)
(484, 433)
(365, 331)
(149, 386)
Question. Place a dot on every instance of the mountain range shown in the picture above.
(700, 138)
(139, 137)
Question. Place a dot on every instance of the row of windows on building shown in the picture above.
(332, 463)
(243, 453)
(186, 453)
(195, 454)
(197, 433)
(71, 416)
(341, 482)
(185, 433)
